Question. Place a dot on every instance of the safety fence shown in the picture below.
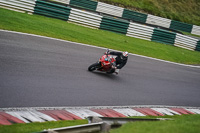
(87, 4)
(114, 24)
(52, 10)
(140, 31)
(110, 10)
(198, 46)
(181, 26)
(163, 36)
(18, 5)
(155, 20)
(85, 18)
(186, 42)
(63, 1)
(133, 15)
(196, 30)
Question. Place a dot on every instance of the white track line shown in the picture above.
(94, 107)
(99, 48)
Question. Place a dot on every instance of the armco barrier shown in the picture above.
(198, 46)
(63, 1)
(85, 18)
(163, 36)
(155, 20)
(120, 120)
(87, 4)
(109, 9)
(135, 16)
(196, 30)
(114, 24)
(104, 125)
(181, 26)
(185, 42)
(131, 15)
(86, 128)
(140, 31)
(18, 5)
(52, 10)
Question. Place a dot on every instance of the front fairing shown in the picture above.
(106, 62)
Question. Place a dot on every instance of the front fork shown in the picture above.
(100, 65)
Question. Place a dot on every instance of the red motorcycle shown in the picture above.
(105, 64)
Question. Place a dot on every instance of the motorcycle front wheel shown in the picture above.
(93, 66)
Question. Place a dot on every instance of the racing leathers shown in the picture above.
(120, 59)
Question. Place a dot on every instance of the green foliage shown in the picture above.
(37, 126)
(180, 124)
(55, 28)
(187, 11)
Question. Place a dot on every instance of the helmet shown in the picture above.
(125, 54)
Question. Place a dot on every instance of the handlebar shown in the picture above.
(107, 52)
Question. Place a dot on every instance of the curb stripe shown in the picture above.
(83, 113)
(148, 111)
(7, 119)
(165, 111)
(129, 112)
(60, 114)
(196, 111)
(181, 111)
(22, 115)
(31, 116)
(108, 113)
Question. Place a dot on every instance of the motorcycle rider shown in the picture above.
(121, 60)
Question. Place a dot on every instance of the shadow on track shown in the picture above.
(105, 75)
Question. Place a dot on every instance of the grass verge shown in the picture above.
(193, 35)
(180, 124)
(37, 126)
(35, 24)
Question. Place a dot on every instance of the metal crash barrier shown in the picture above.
(98, 124)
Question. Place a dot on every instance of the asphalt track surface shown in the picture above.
(40, 72)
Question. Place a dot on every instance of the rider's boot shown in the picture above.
(117, 71)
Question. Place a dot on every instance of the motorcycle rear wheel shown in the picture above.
(93, 66)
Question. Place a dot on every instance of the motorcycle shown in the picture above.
(105, 64)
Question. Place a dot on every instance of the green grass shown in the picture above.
(187, 11)
(36, 127)
(35, 24)
(180, 124)
(186, 33)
